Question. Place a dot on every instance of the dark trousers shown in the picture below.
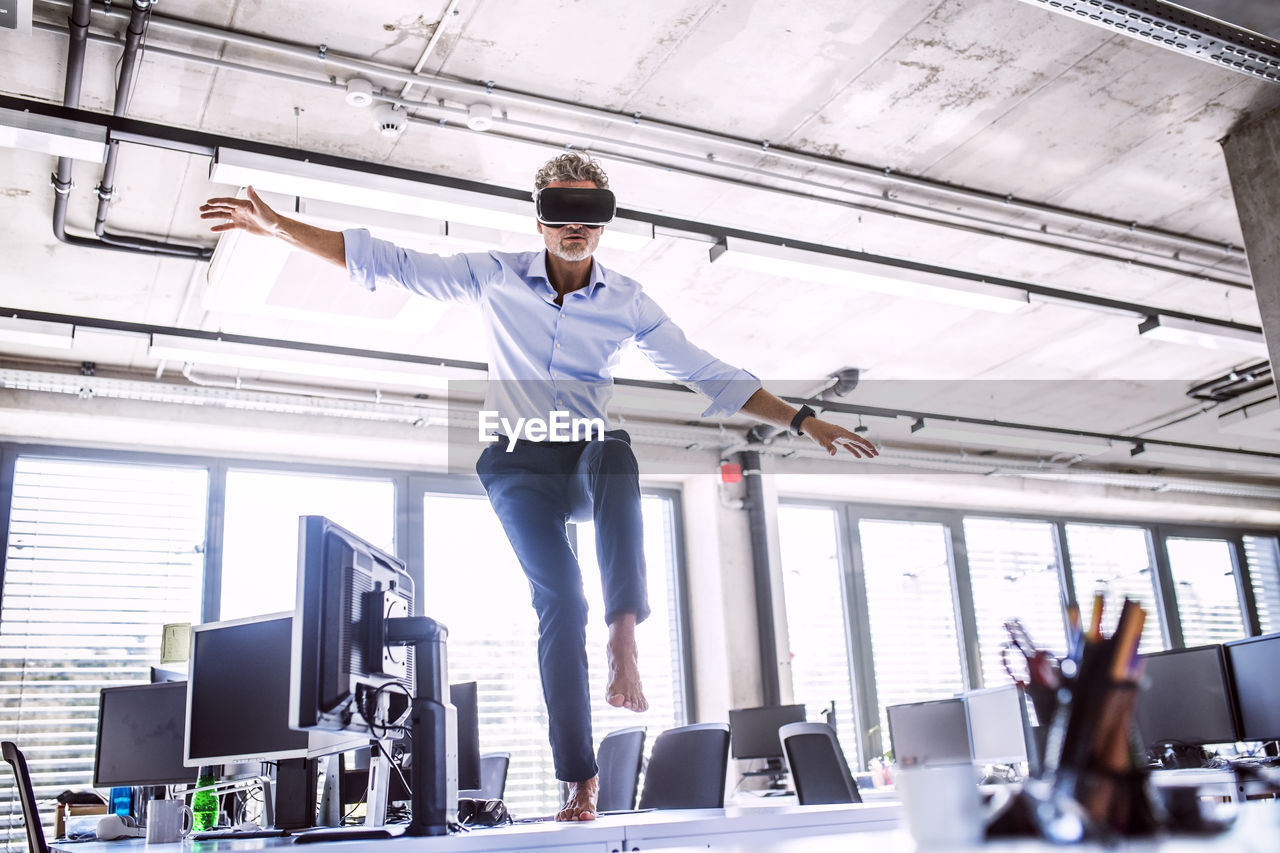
(536, 490)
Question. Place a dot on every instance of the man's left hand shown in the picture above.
(833, 438)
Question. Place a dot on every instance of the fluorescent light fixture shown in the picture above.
(48, 135)
(36, 333)
(986, 435)
(318, 365)
(789, 262)
(390, 194)
(1204, 334)
(1215, 458)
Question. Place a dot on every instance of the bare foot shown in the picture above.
(624, 690)
(581, 804)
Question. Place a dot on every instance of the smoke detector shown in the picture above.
(390, 120)
(480, 117)
(359, 92)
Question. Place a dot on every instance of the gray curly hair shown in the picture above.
(571, 167)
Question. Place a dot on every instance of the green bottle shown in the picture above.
(204, 804)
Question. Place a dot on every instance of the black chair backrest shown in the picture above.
(27, 796)
(619, 757)
(493, 774)
(687, 768)
(817, 763)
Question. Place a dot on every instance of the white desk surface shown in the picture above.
(808, 829)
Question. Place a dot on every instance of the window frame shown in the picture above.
(853, 580)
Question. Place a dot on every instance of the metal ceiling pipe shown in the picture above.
(78, 28)
(324, 56)
(128, 69)
(761, 570)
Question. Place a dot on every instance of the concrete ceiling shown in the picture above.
(995, 96)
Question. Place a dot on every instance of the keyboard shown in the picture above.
(216, 834)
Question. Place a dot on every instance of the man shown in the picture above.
(556, 322)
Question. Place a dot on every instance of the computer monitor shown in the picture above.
(238, 696)
(1186, 698)
(1255, 673)
(753, 732)
(464, 697)
(998, 727)
(140, 730)
(346, 588)
(934, 732)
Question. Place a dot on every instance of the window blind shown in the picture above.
(1014, 572)
(1205, 587)
(1263, 557)
(817, 623)
(476, 587)
(100, 555)
(914, 642)
(1115, 561)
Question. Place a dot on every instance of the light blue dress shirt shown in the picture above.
(544, 357)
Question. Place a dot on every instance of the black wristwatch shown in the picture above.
(805, 412)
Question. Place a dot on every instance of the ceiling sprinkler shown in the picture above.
(390, 120)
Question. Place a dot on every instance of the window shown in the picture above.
(475, 586)
(100, 556)
(1204, 584)
(914, 641)
(1263, 557)
(816, 620)
(260, 535)
(1115, 561)
(1013, 570)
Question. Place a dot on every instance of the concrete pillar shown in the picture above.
(1252, 152)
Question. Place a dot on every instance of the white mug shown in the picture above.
(943, 805)
(168, 821)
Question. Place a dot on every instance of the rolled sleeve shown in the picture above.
(665, 344)
(456, 278)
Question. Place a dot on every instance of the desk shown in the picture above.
(798, 829)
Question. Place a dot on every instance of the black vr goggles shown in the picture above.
(575, 206)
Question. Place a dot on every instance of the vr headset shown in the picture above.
(587, 206)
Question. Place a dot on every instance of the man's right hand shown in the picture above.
(251, 214)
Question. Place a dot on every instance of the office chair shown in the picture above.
(619, 758)
(493, 774)
(687, 768)
(27, 796)
(817, 763)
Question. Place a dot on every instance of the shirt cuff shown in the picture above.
(358, 246)
(732, 395)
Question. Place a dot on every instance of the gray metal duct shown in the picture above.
(1175, 28)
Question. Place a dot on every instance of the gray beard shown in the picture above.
(572, 252)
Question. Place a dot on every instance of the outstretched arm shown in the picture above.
(255, 216)
(764, 406)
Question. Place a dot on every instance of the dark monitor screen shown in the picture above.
(1187, 698)
(140, 736)
(238, 695)
(463, 698)
(753, 732)
(1255, 674)
(929, 732)
(997, 725)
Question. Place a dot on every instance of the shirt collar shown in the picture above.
(538, 269)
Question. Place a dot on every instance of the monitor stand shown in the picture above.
(434, 724)
(776, 773)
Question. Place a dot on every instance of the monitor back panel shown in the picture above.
(934, 732)
(997, 725)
